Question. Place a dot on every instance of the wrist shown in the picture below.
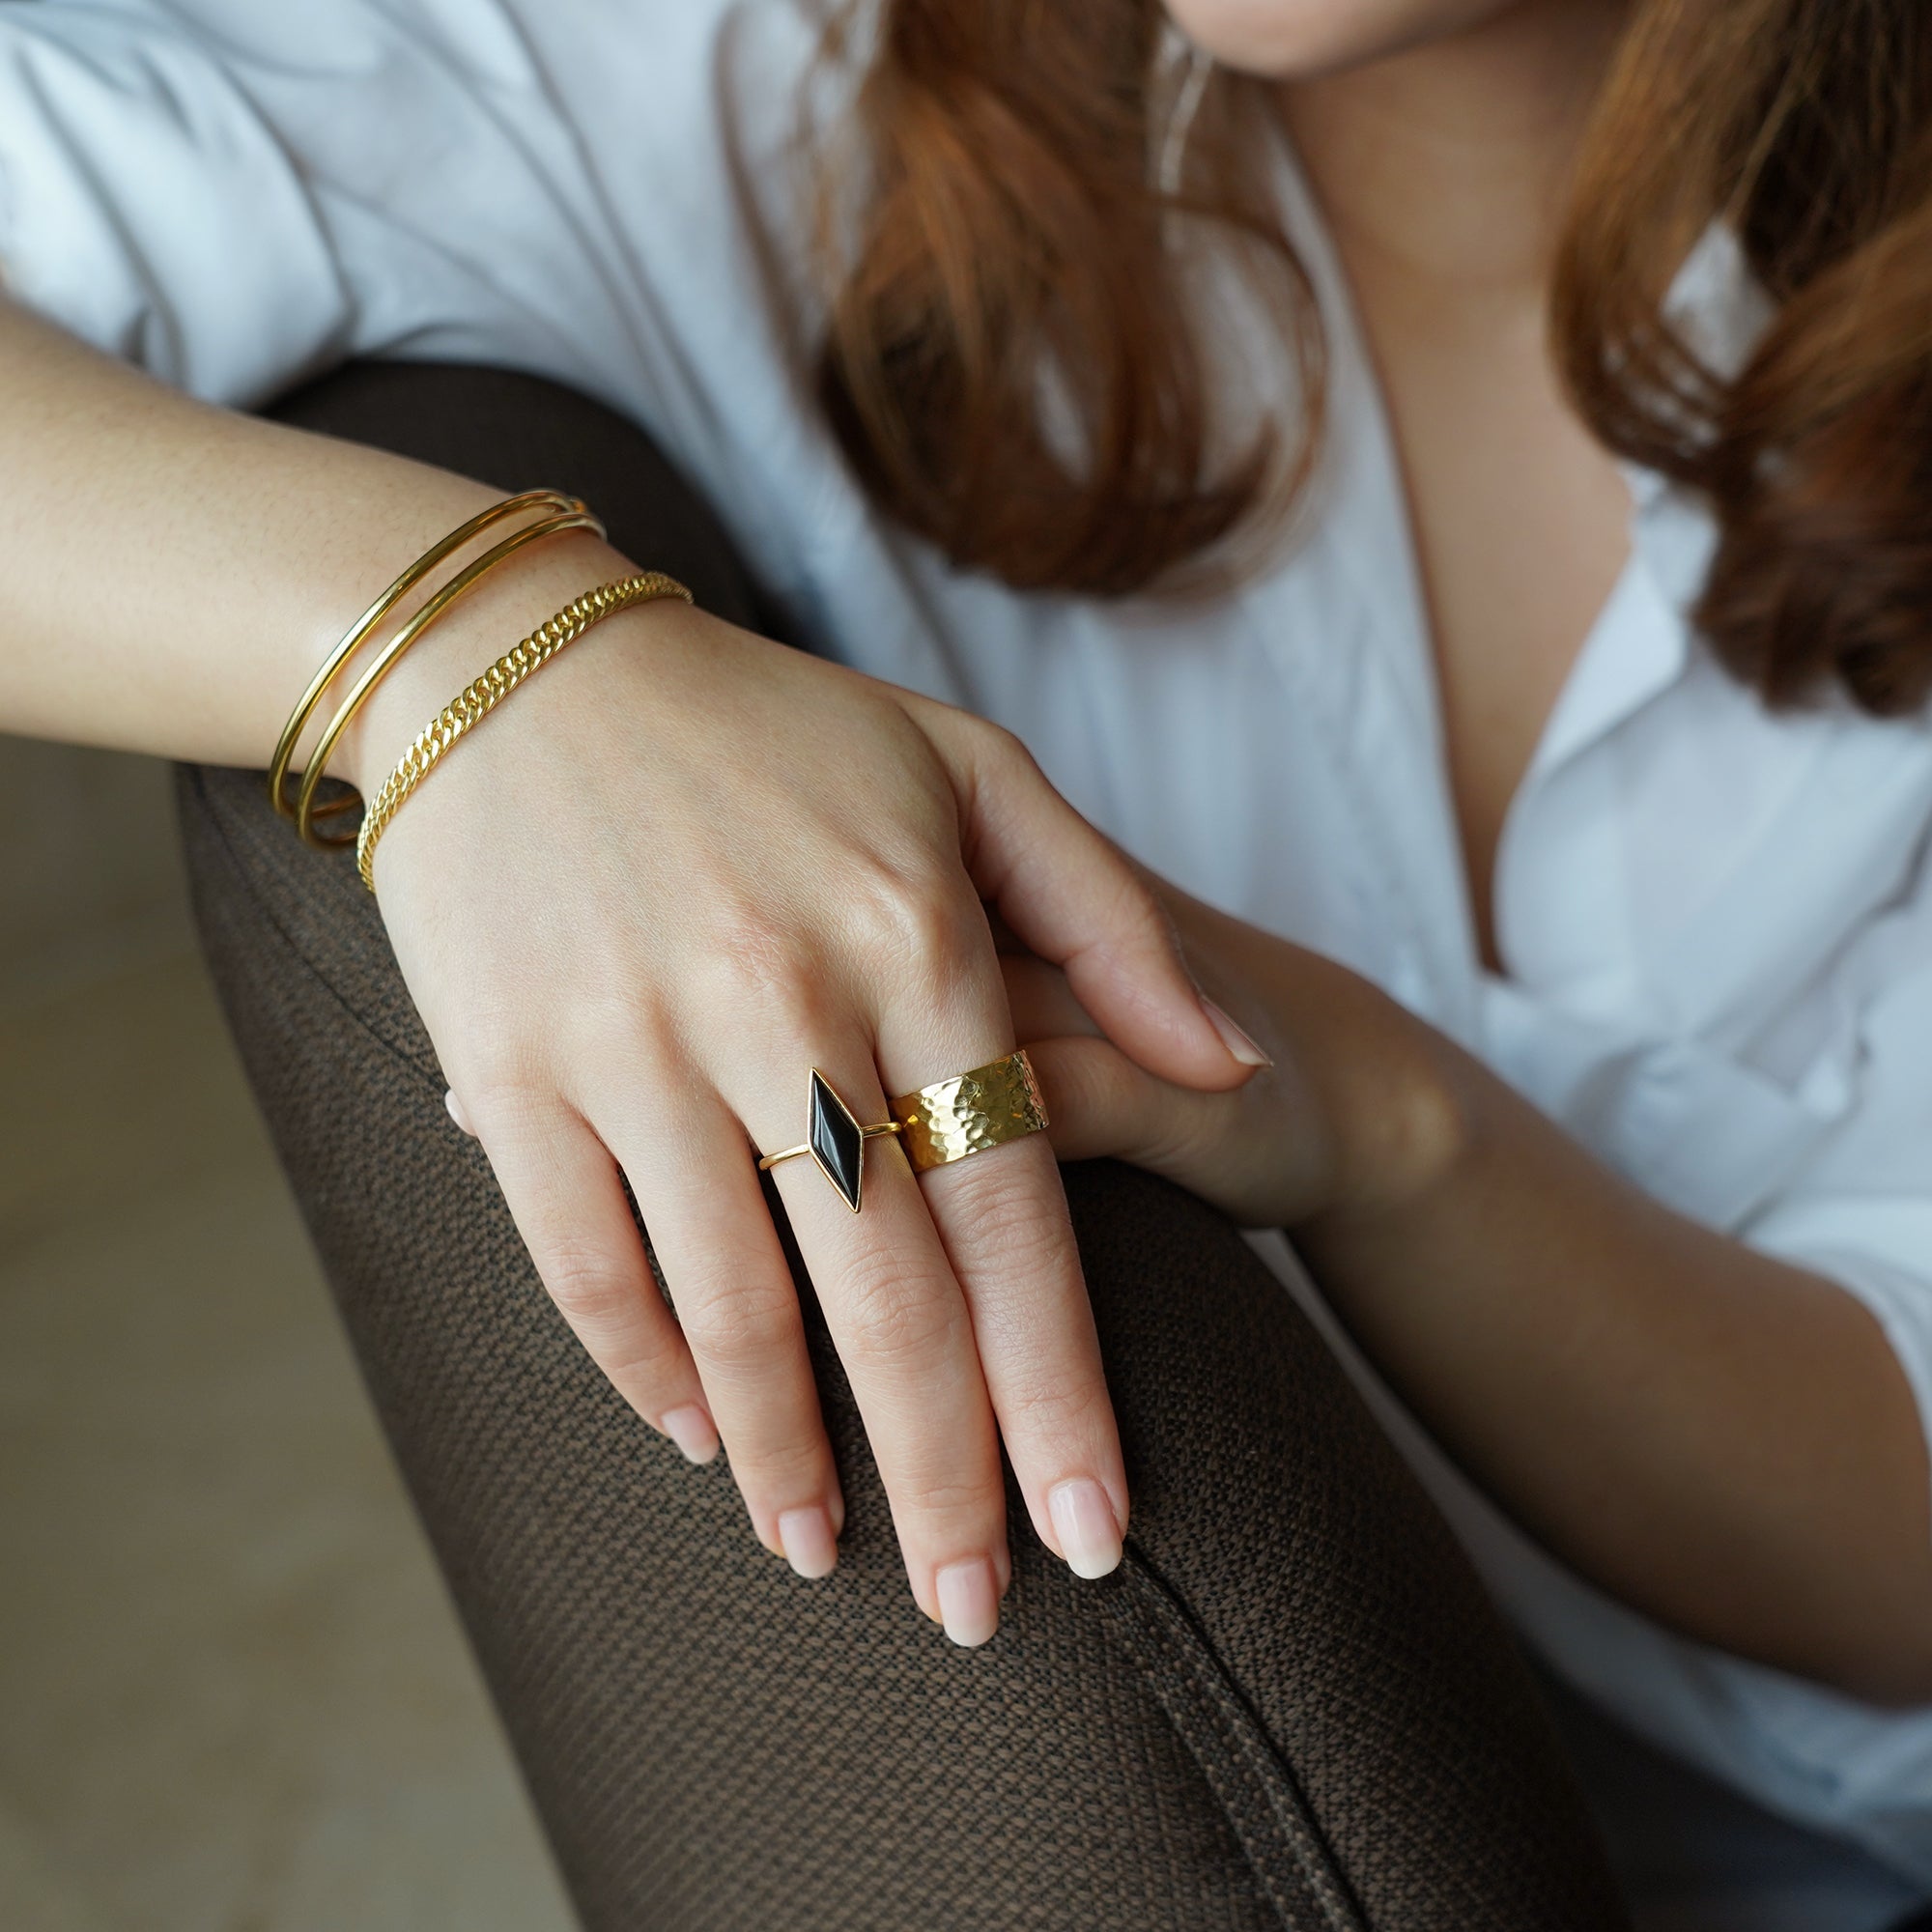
(505, 606)
(1399, 1107)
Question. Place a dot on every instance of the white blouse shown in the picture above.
(1717, 923)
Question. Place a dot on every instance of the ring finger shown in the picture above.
(733, 1290)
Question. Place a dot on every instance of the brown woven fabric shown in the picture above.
(1292, 1707)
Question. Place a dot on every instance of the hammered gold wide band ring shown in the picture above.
(945, 1122)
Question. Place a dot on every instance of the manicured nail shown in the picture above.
(1232, 1037)
(694, 1432)
(969, 1601)
(456, 1111)
(809, 1547)
(1083, 1519)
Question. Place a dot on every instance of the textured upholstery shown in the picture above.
(1291, 1707)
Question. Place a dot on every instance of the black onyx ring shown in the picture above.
(833, 1139)
(945, 1122)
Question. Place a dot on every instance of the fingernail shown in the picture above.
(1083, 1519)
(809, 1547)
(456, 1111)
(969, 1601)
(694, 1432)
(1232, 1037)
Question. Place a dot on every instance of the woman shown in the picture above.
(1533, 718)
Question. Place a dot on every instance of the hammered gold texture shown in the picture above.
(969, 1114)
(482, 696)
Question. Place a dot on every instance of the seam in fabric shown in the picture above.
(1256, 1788)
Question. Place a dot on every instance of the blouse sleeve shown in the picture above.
(147, 205)
(1859, 1210)
(233, 193)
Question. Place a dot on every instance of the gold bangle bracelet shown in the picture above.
(482, 696)
(363, 629)
(458, 586)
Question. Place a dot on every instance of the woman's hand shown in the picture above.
(682, 869)
(1717, 1438)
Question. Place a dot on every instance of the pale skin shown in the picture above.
(693, 891)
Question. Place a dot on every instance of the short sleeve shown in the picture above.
(1860, 1209)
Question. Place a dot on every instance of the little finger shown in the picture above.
(563, 1192)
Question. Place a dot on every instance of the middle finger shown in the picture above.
(902, 1327)
(1000, 1214)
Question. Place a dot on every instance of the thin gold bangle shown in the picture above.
(359, 633)
(459, 585)
(482, 696)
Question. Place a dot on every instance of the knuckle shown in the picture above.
(1137, 906)
(1184, 1137)
(937, 1492)
(780, 1468)
(917, 920)
(748, 954)
(650, 1358)
(756, 966)
(1013, 1218)
(1065, 1407)
(739, 1327)
(596, 1290)
(619, 1033)
(504, 1091)
(1003, 752)
(1092, 1081)
(895, 1318)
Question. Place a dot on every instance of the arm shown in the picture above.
(176, 571)
(1724, 1441)
(627, 977)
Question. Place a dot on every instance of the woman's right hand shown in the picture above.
(684, 866)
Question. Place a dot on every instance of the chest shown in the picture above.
(1519, 521)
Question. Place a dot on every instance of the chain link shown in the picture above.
(482, 696)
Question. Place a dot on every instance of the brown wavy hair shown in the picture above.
(1013, 365)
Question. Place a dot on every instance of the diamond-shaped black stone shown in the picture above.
(837, 1141)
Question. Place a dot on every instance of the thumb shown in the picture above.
(1101, 1105)
(1075, 898)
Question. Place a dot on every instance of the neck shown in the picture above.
(1448, 162)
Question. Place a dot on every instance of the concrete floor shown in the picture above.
(233, 1696)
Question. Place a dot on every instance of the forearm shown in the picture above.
(1723, 1440)
(171, 573)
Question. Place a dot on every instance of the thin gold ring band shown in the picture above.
(767, 1161)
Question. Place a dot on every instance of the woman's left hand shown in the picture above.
(1578, 1347)
(1347, 1111)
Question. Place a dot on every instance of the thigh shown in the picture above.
(1291, 1707)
